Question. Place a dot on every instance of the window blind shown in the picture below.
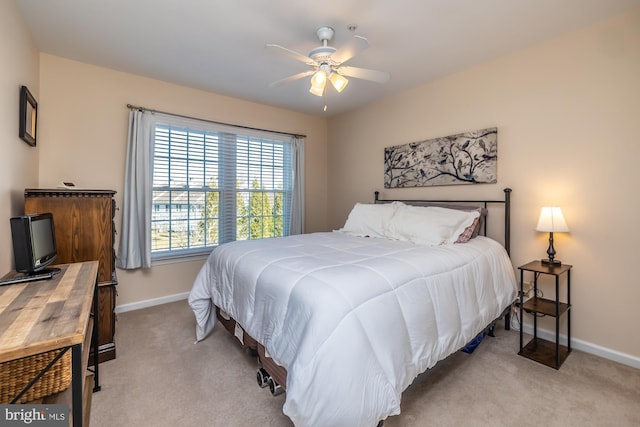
(214, 184)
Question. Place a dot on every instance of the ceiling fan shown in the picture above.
(326, 63)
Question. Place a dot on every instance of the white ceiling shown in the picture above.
(218, 45)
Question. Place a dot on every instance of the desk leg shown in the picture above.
(76, 384)
(557, 322)
(521, 299)
(94, 341)
(569, 311)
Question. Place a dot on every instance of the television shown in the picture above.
(34, 242)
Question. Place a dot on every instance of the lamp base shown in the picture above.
(548, 261)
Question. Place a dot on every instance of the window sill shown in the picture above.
(172, 259)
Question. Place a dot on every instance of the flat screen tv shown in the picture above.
(34, 242)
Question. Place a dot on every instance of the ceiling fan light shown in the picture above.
(317, 91)
(318, 82)
(338, 81)
(319, 79)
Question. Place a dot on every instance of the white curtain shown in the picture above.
(134, 250)
(296, 226)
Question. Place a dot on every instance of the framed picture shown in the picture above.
(28, 116)
(464, 158)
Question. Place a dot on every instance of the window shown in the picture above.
(215, 184)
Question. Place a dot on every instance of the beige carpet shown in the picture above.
(161, 378)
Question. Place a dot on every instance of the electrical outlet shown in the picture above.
(527, 290)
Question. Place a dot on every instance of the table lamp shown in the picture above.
(551, 221)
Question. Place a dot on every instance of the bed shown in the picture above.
(345, 320)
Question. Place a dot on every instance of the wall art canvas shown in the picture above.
(465, 158)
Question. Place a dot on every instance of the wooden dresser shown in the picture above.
(84, 229)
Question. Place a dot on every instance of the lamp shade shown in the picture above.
(317, 91)
(338, 82)
(318, 82)
(552, 220)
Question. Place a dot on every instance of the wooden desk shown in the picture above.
(45, 315)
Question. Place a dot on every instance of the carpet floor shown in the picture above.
(161, 378)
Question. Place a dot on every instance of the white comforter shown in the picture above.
(353, 320)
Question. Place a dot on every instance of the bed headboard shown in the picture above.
(481, 203)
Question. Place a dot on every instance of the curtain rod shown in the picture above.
(136, 107)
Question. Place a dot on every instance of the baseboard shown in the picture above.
(587, 347)
(151, 302)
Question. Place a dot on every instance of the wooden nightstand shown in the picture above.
(538, 349)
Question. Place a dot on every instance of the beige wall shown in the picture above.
(84, 129)
(18, 161)
(568, 118)
(567, 113)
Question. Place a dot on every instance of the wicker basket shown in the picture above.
(16, 374)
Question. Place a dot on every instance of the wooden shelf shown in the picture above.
(544, 306)
(65, 398)
(544, 351)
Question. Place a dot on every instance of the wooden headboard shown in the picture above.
(506, 202)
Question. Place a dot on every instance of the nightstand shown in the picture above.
(538, 349)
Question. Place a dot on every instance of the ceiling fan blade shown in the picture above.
(356, 45)
(291, 53)
(365, 74)
(292, 78)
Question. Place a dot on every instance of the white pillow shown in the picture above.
(370, 219)
(429, 225)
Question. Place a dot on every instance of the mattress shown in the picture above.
(353, 320)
